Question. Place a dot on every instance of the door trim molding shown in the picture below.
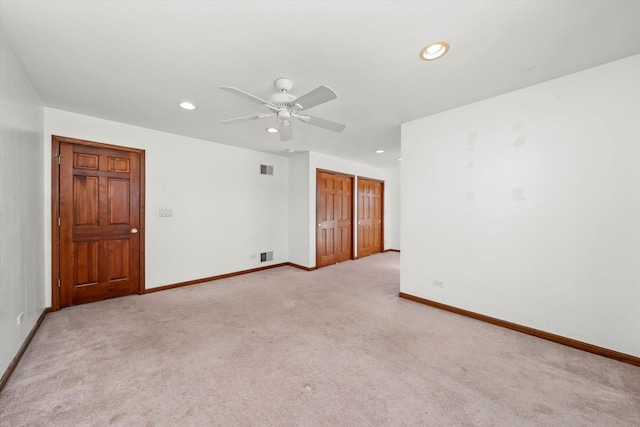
(346, 175)
(381, 181)
(55, 210)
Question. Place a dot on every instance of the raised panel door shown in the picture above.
(370, 221)
(334, 218)
(99, 221)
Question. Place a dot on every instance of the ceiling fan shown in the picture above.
(286, 106)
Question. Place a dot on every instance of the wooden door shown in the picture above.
(100, 222)
(334, 205)
(370, 224)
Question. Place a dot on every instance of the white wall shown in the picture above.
(392, 211)
(299, 209)
(303, 172)
(224, 210)
(527, 206)
(21, 207)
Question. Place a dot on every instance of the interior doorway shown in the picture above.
(97, 221)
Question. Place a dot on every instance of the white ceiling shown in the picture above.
(134, 61)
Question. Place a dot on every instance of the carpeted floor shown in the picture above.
(286, 347)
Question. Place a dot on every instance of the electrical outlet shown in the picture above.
(20, 318)
(254, 256)
(438, 283)
(165, 212)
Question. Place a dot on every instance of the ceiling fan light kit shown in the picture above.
(285, 105)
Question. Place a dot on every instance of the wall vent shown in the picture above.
(266, 170)
(266, 256)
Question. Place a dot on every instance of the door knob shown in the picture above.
(134, 230)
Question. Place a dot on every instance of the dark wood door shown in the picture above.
(370, 202)
(100, 221)
(334, 205)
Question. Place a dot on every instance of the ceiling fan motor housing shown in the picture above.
(282, 99)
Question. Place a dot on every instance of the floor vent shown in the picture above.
(266, 170)
(266, 256)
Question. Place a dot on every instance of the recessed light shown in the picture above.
(434, 51)
(399, 160)
(272, 130)
(187, 106)
(379, 151)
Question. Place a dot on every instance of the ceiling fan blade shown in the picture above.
(317, 96)
(245, 95)
(247, 118)
(286, 133)
(323, 123)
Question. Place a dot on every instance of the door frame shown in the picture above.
(55, 210)
(381, 208)
(353, 211)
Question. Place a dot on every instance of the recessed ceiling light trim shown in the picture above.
(434, 51)
(379, 151)
(272, 130)
(187, 105)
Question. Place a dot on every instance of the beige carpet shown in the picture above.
(286, 347)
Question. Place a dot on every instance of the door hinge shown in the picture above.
(58, 221)
(59, 159)
(58, 282)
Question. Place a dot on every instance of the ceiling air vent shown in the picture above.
(266, 170)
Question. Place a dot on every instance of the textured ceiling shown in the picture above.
(134, 61)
